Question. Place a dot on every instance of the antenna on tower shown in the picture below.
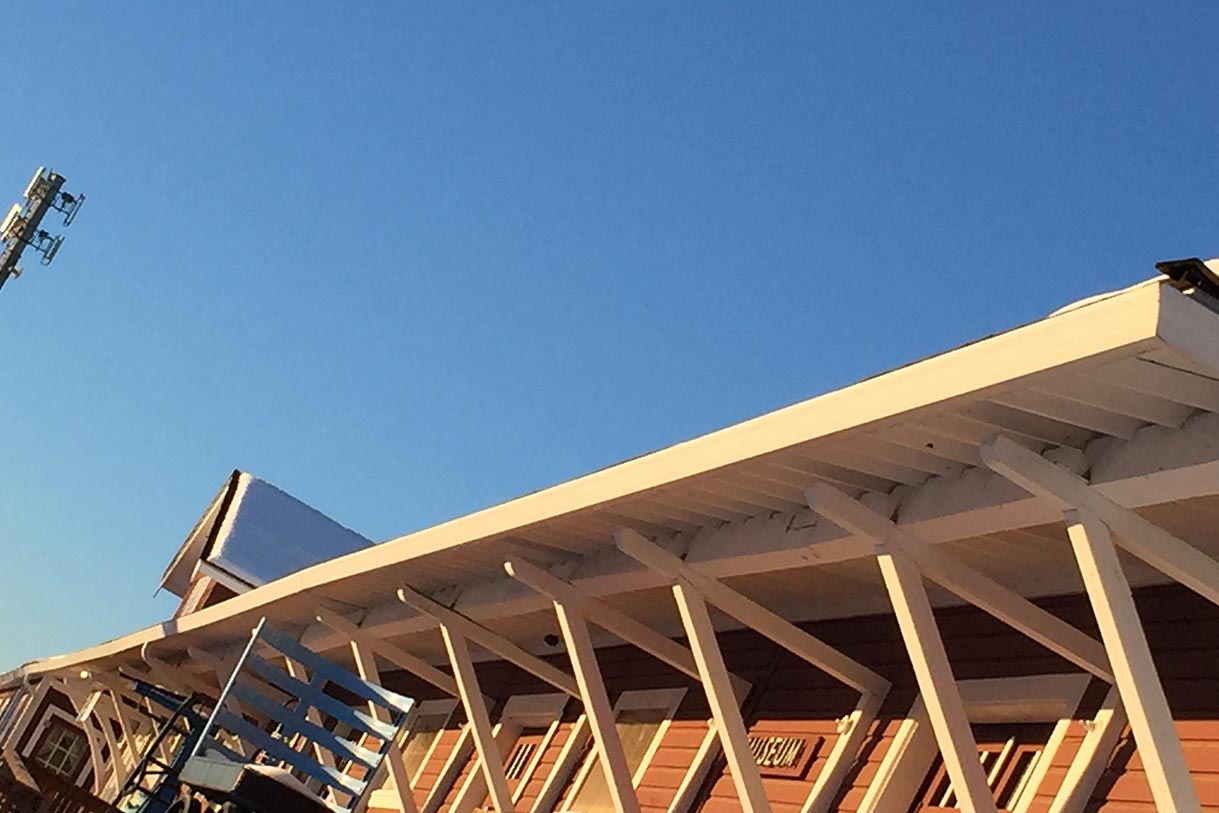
(22, 228)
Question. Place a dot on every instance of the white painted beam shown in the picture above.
(852, 730)
(754, 615)
(603, 615)
(601, 717)
(1160, 549)
(564, 767)
(936, 683)
(984, 592)
(396, 655)
(489, 756)
(1136, 676)
(1153, 468)
(734, 737)
(493, 642)
(366, 666)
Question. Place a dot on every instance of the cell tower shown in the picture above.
(22, 226)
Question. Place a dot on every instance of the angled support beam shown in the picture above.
(397, 656)
(564, 767)
(1172, 556)
(933, 673)
(603, 615)
(980, 590)
(126, 724)
(493, 642)
(752, 614)
(1135, 671)
(366, 665)
(734, 737)
(601, 717)
(705, 664)
(118, 771)
(489, 756)
(851, 732)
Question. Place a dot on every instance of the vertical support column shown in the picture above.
(717, 684)
(480, 722)
(597, 706)
(366, 665)
(949, 721)
(1134, 671)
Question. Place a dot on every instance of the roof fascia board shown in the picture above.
(972, 504)
(1120, 325)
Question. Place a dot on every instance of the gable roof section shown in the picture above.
(253, 533)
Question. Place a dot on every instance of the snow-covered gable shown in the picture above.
(253, 533)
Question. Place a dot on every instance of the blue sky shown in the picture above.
(407, 260)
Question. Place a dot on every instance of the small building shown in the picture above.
(984, 581)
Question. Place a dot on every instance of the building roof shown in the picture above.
(1122, 388)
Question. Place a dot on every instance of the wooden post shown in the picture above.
(480, 721)
(717, 683)
(597, 706)
(366, 665)
(1135, 672)
(945, 708)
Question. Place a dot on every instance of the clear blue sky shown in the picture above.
(407, 260)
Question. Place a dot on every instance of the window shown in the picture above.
(62, 750)
(424, 729)
(1019, 724)
(1009, 754)
(641, 718)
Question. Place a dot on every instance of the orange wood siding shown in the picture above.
(789, 695)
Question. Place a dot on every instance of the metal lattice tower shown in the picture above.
(22, 226)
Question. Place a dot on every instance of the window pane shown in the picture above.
(423, 734)
(636, 728)
(61, 751)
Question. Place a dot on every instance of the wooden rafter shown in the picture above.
(396, 655)
(971, 585)
(754, 615)
(1172, 556)
(489, 640)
